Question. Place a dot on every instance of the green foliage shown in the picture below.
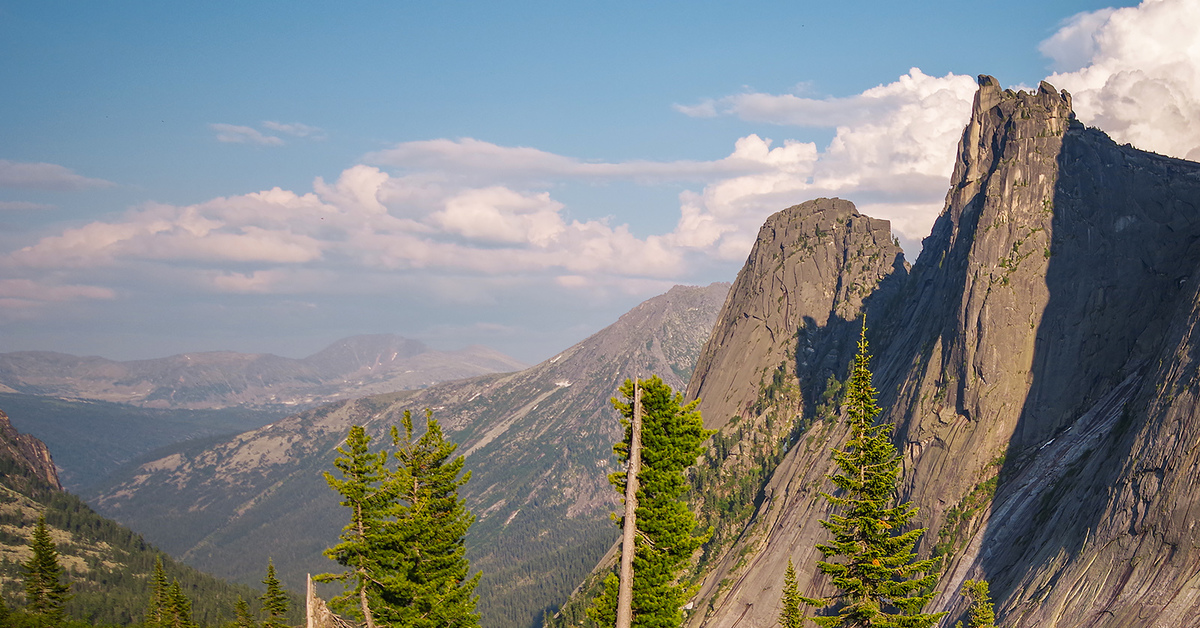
(46, 589)
(877, 579)
(404, 545)
(156, 610)
(790, 614)
(981, 614)
(672, 439)
(434, 590)
(178, 609)
(242, 617)
(274, 601)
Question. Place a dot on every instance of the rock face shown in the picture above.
(351, 367)
(27, 453)
(1040, 367)
(538, 444)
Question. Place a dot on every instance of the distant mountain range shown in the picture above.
(538, 444)
(352, 367)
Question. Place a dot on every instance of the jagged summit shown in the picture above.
(1038, 364)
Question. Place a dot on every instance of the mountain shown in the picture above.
(351, 367)
(108, 566)
(1038, 363)
(538, 445)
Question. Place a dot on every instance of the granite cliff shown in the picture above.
(1039, 364)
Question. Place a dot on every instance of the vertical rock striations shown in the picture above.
(1040, 366)
(26, 455)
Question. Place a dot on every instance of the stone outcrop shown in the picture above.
(28, 454)
(1040, 367)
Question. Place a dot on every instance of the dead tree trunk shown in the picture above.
(629, 528)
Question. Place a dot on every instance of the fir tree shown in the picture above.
(431, 589)
(156, 610)
(981, 614)
(877, 578)
(672, 439)
(242, 617)
(790, 614)
(178, 608)
(361, 487)
(45, 588)
(274, 601)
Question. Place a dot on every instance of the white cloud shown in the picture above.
(234, 134)
(295, 129)
(1141, 84)
(43, 176)
(26, 293)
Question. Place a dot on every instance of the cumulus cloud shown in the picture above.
(25, 293)
(234, 134)
(43, 176)
(1140, 82)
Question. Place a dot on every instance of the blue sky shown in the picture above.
(269, 177)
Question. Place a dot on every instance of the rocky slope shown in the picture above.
(351, 367)
(538, 444)
(107, 565)
(1039, 365)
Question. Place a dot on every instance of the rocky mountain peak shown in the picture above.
(29, 454)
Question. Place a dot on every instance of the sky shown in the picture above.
(273, 176)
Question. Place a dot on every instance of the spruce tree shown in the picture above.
(431, 589)
(363, 491)
(981, 614)
(274, 601)
(242, 617)
(790, 614)
(672, 439)
(156, 610)
(46, 590)
(178, 609)
(877, 577)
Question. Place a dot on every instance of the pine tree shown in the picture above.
(981, 614)
(242, 617)
(672, 439)
(790, 614)
(45, 588)
(877, 578)
(432, 589)
(274, 601)
(156, 610)
(178, 612)
(362, 487)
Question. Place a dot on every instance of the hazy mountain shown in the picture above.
(538, 444)
(352, 367)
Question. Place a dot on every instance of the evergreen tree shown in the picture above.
(790, 614)
(363, 491)
(242, 617)
(156, 610)
(274, 601)
(178, 611)
(431, 588)
(45, 588)
(672, 439)
(877, 578)
(5, 614)
(981, 614)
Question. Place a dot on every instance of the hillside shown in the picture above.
(1038, 363)
(108, 565)
(538, 444)
(351, 367)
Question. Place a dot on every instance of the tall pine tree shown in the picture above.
(672, 439)
(877, 577)
(156, 610)
(431, 590)
(242, 617)
(274, 601)
(790, 614)
(363, 491)
(46, 590)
